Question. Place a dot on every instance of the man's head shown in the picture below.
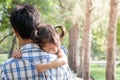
(24, 19)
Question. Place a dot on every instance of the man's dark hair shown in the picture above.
(24, 19)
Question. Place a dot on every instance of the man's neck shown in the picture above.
(24, 41)
(21, 40)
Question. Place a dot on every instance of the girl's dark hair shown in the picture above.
(45, 34)
(24, 19)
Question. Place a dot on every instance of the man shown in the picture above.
(24, 19)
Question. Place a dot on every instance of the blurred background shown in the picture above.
(71, 14)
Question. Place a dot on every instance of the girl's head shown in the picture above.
(47, 38)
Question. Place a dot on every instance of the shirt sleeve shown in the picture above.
(64, 49)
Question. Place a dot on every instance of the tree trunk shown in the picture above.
(70, 49)
(73, 47)
(76, 47)
(81, 68)
(111, 45)
(87, 40)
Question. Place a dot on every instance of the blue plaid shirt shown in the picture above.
(24, 68)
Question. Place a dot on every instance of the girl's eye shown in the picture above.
(50, 48)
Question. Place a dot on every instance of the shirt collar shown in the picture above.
(30, 46)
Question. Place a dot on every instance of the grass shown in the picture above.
(98, 72)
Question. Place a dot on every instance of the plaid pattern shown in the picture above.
(24, 68)
(64, 49)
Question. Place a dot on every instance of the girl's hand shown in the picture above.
(60, 52)
(17, 54)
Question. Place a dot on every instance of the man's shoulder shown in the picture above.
(8, 61)
(14, 69)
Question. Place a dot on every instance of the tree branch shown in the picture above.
(61, 5)
(12, 48)
(5, 37)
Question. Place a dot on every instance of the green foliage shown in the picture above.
(5, 8)
(98, 42)
(1, 1)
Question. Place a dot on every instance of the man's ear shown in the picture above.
(16, 33)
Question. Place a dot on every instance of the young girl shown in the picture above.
(48, 39)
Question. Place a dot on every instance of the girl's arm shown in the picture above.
(62, 60)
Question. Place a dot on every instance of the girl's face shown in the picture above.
(50, 48)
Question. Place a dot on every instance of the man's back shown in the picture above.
(24, 68)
